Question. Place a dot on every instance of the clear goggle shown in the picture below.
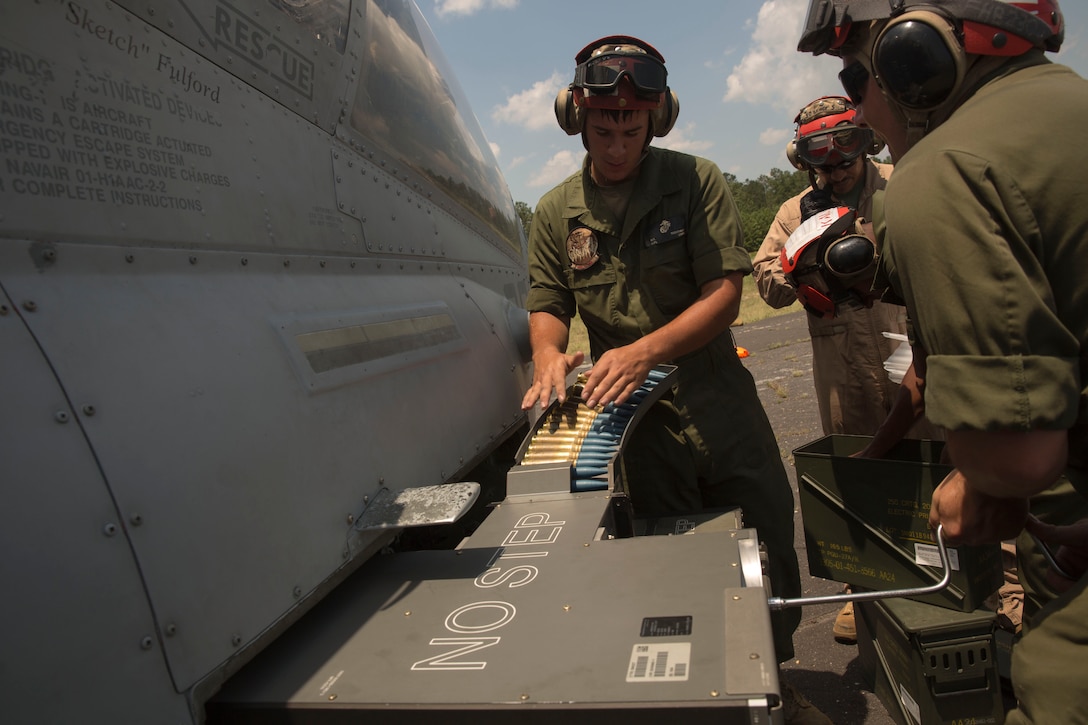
(602, 73)
(847, 143)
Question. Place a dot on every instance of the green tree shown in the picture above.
(758, 200)
(525, 213)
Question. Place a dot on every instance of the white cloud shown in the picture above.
(443, 8)
(534, 108)
(772, 71)
(494, 148)
(678, 140)
(557, 168)
(775, 137)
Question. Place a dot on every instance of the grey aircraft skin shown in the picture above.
(258, 272)
(257, 266)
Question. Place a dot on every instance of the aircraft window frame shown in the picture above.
(408, 104)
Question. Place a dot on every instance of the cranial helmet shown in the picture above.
(983, 27)
(826, 134)
(826, 259)
(921, 52)
(618, 73)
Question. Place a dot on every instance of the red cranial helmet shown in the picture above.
(620, 73)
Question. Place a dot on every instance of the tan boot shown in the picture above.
(845, 630)
(799, 711)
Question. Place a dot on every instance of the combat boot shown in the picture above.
(845, 630)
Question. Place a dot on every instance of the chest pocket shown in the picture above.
(666, 267)
(592, 289)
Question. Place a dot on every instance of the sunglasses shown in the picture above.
(853, 78)
(603, 73)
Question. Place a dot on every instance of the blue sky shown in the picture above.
(732, 63)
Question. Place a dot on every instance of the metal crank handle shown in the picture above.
(777, 603)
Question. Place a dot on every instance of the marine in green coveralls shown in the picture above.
(645, 245)
(985, 238)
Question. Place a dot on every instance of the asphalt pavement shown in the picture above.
(828, 673)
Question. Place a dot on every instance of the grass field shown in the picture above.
(752, 309)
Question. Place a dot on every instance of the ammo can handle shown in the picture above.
(777, 603)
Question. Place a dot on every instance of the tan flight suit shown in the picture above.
(853, 390)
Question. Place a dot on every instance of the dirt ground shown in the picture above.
(829, 674)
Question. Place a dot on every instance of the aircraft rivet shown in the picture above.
(61, 416)
(408, 613)
(287, 263)
(3, 310)
(734, 564)
(30, 305)
(109, 529)
(146, 642)
(245, 261)
(736, 597)
(566, 607)
(88, 410)
(754, 656)
(351, 517)
(171, 629)
(236, 640)
(192, 259)
(332, 697)
(130, 258)
(714, 693)
(524, 697)
(297, 591)
(136, 519)
(322, 263)
(49, 255)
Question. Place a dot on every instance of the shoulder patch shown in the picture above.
(582, 248)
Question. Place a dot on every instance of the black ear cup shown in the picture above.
(918, 61)
(849, 256)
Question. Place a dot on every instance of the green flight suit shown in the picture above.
(712, 445)
(986, 240)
